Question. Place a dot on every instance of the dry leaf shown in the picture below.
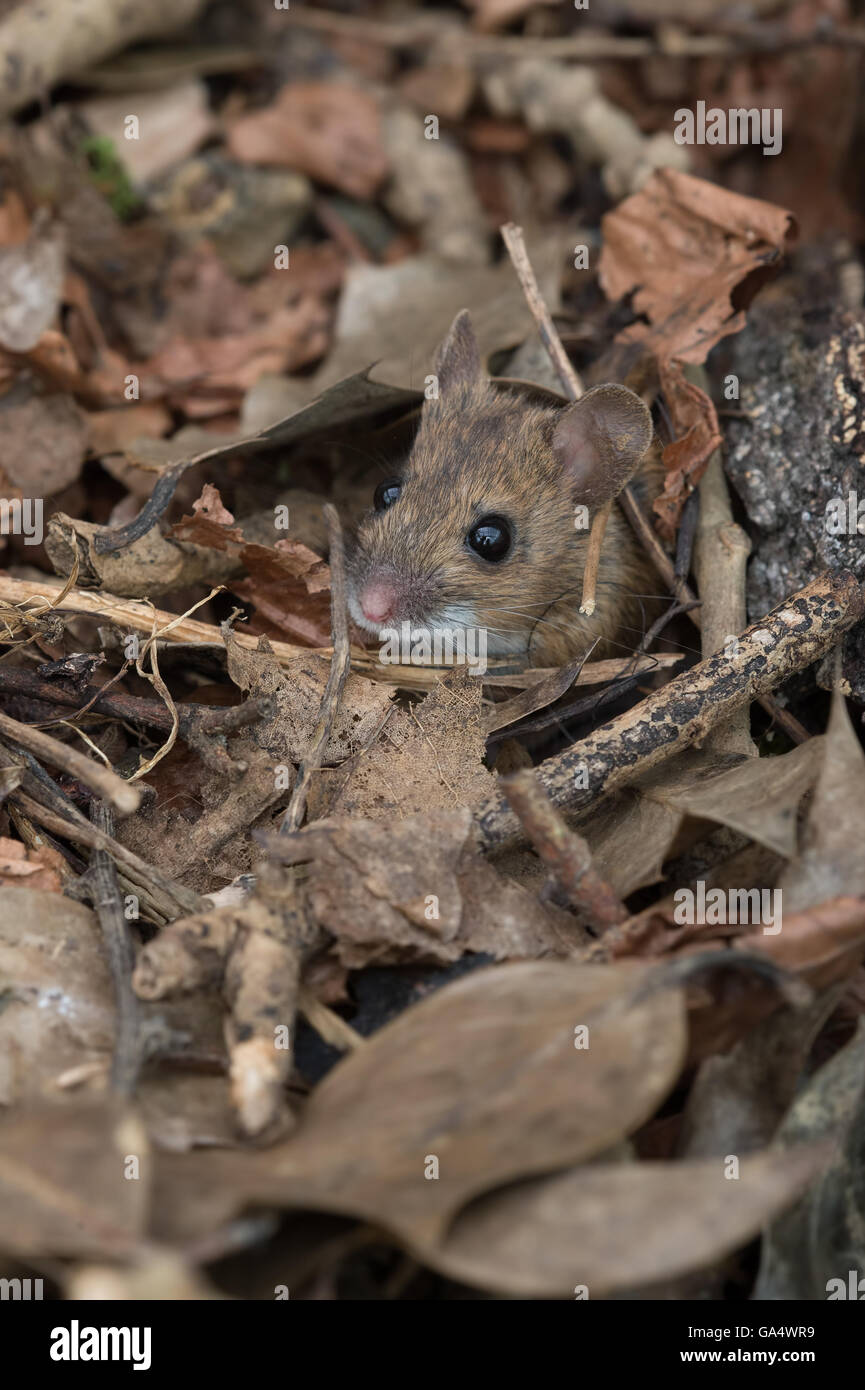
(429, 755)
(485, 1077)
(386, 904)
(683, 246)
(290, 587)
(610, 1229)
(44, 440)
(30, 868)
(211, 524)
(831, 861)
(329, 130)
(297, 694)
(697, 435)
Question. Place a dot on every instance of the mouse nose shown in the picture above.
(378, 601)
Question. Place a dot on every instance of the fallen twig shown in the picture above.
(101, 780)
(108, 904)
(138, 870)
(565, 853)
(788, 639)
(720, 562)
(336, 679)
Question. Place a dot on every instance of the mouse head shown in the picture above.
(478, 528)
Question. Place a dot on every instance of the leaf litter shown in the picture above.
(521, 1050)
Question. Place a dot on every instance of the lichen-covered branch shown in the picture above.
(788, 639)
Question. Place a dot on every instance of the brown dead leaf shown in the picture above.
(759, 797)
(290, 587)
(430, 755)
(211, 524)
(632, 833)
(113, 431)
(44, 440)
(297, 694)
(824, 943)
(58, 1003)
(28, 868)
(202, 368)
(695, 423)
(395, 316)
(609, 1229)
(387, 904)
(831, 861)
(329, 130)
(485, 1077)
(682, 246)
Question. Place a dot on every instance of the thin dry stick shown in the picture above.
(335, 681)
(565, 853)
(101, 780)
(513, 238)
(138, 870)
(796, 633)
(108, 905)
(328, 1024)
(720, 563)
(593, 558)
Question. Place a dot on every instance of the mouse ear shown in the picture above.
(458, 360)
(599, 440)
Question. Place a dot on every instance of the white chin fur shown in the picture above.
(456, 617)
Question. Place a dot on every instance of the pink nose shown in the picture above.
(378, 601)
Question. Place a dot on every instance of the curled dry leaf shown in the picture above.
(609, 1229)
(211, 524)
(290, 587)
(632, 833)
(329, 130)
(385, 903)
(682, 246)
(697, 435)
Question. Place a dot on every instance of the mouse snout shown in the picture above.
(378, 600)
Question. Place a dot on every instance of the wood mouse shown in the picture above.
(478, 530)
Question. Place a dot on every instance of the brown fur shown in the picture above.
(481, 451)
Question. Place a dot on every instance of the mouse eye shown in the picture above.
(386, 494)
(491, 538)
